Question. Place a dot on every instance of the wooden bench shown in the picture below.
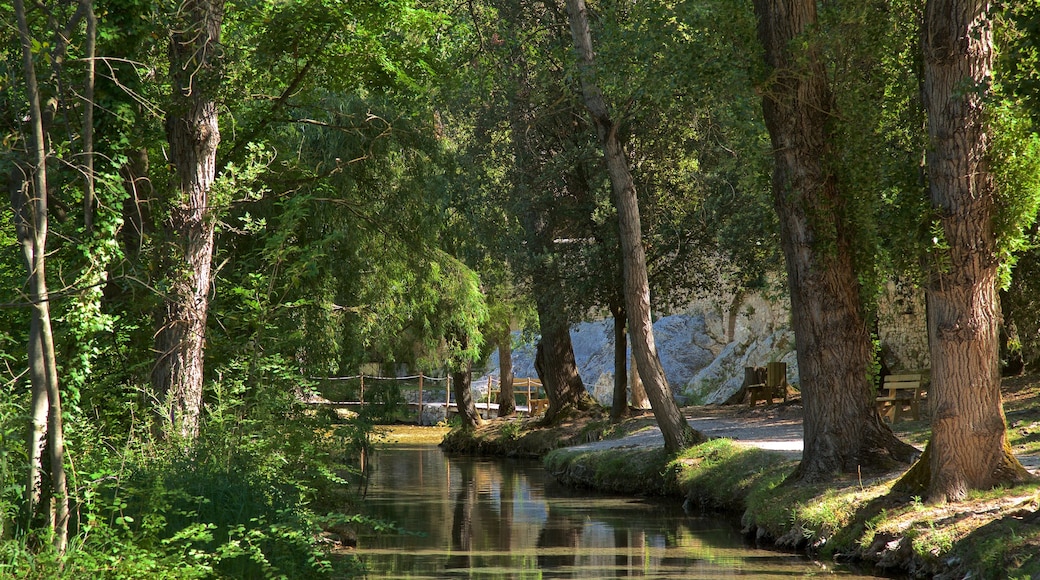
(766, 386)
(901, 394)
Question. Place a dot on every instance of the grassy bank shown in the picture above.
(990, 535)
(994, 534)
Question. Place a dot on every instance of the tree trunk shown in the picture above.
(640, 400)
(462, 381)
(37, 367)
(677, 432)
(88, 117)
(554, 361)
(969, 447)
(619, 408)
(193, 135)
(842, 429)
(506, 398)
(31, 215)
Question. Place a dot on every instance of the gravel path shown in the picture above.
(776, 428)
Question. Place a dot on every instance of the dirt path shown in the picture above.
(777, 428)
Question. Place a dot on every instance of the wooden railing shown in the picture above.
(535, 404)
(528, 387)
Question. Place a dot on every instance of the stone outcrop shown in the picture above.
(705, 348)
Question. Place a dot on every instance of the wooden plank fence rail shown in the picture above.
(527, 387)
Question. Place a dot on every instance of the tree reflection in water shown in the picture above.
(506, 519)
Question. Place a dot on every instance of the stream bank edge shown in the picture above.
(853, 519)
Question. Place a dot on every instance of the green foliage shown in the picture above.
(1015, 159)
(240, 503)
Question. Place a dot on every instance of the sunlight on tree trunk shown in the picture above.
(842, 428)
(31, 212)
(677, 432)
(969, 447)
(193, 135)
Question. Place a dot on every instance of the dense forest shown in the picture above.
(213, 203)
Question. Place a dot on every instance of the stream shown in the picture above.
(471, 517)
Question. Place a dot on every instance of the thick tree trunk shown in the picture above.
(31, 224)
(506, 397)
(677, 432)
(554, 361)
(842, 429)
(462, 383)
(969, 447)
(619, 408)
(193, 135)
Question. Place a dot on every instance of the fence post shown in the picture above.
(418, 421)
(528, 379)
(362, 389)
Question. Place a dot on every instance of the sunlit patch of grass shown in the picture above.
(410, 434)
(990, 532)
(720, 474)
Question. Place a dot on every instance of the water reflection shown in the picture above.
(507, 519)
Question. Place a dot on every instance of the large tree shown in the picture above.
(193, 136)
(969, 448)
(677, 432)
(842, 429)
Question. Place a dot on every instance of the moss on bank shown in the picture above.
(992, 535)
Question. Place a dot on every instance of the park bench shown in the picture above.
(901, 394)
(766, 384)
(527, 387)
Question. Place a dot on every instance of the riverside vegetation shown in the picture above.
(216, 205)
(856, 518)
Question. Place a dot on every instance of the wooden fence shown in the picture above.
(527, 387)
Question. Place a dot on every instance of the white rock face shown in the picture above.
(703, 351)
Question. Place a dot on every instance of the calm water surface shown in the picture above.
(482, 518)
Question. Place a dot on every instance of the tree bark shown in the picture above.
(506, 397)
(842, 429)
(31, 213)
(677, 432)
(462, 382)
(193, 136)
(88, 117)
(619, 408)
(969, 447)
(554, 360)
(640, 400)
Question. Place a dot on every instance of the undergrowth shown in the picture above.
(242, 501)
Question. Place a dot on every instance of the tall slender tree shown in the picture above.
(29, 202)
(193, 136)
(677, 432)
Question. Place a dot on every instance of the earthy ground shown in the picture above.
(779, 427)
(776, 427)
